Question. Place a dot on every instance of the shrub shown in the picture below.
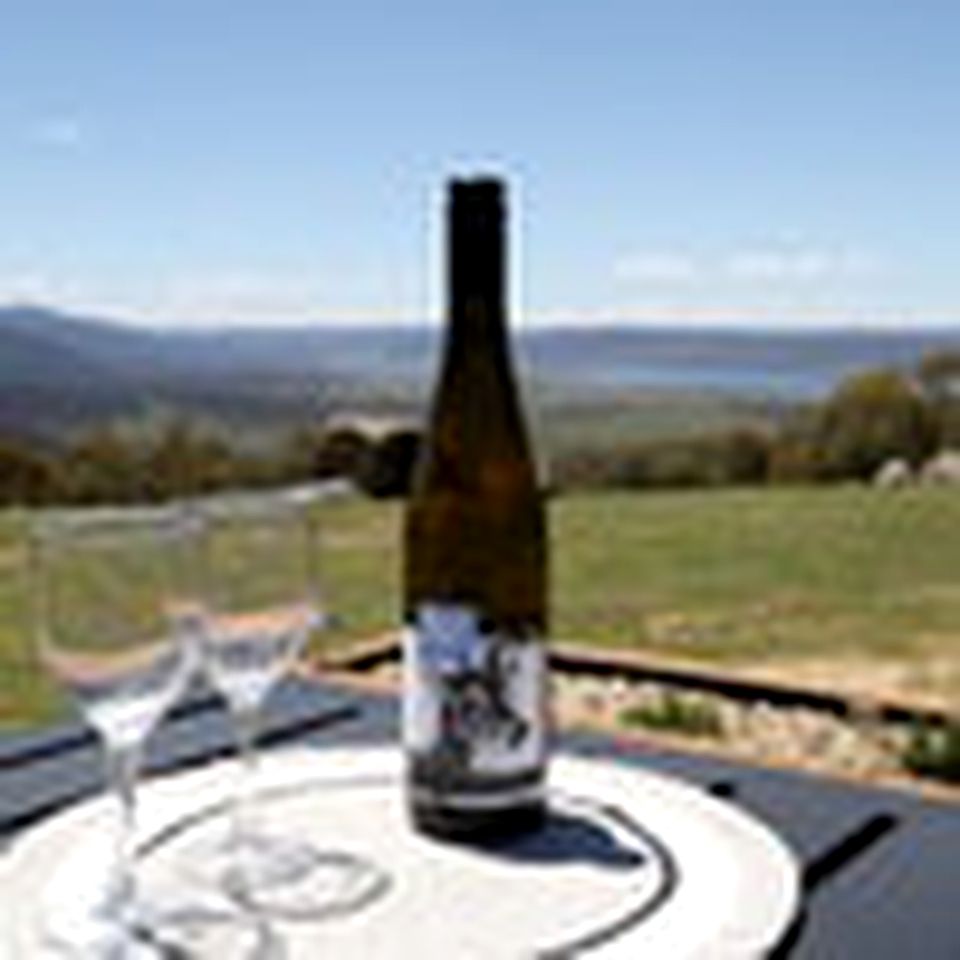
(694, 717)
(934, 752)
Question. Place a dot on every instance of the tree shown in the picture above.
(26, 478)
(184, 460)
(939, 376)
(939, 373)
(871, 418)
(101, 467)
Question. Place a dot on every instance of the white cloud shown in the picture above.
(776, 264)
(27, 288)
(239, 297)
(61, 132)
(656, 266)
(785, 264)
(251, 298)
(217, 298)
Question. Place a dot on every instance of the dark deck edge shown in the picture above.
(273, 736)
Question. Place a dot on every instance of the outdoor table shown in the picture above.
(879, 873)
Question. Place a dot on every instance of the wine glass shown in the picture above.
(109, 584)
(262, 603)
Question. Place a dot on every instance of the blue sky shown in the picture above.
(697, 161)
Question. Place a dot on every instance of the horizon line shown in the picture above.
(725, 320)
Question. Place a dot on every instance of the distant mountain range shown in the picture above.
(57, 370)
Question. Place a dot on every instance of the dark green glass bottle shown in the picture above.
(475, 591)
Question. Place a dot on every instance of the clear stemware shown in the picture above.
(109, 585)
(263, 601)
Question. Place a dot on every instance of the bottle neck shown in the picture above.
(476, 272)
(477, 406)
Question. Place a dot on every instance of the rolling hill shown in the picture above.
(59, 371)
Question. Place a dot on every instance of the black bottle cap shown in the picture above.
(485, 191)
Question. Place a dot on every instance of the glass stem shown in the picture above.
(123, 763)
(246, 721)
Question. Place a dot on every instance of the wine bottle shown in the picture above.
(475, 688)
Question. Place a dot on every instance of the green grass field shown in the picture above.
(734, 577)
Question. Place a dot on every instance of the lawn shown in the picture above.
(780, 573)
(743, 578)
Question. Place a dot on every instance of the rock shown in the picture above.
(893, 474)
(942, 470)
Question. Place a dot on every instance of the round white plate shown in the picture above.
(632, 864)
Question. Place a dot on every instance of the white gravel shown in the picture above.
(761, 731)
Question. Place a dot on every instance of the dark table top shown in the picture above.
(881, 869)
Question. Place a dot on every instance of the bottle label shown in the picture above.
(474, 700)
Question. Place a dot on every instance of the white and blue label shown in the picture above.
(477, 696)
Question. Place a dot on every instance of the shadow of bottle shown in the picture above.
(568, 837)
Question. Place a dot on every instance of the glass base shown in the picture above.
(95, 940)
(194, 932)
(272, 876)
(142, 931)
(335, 884)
